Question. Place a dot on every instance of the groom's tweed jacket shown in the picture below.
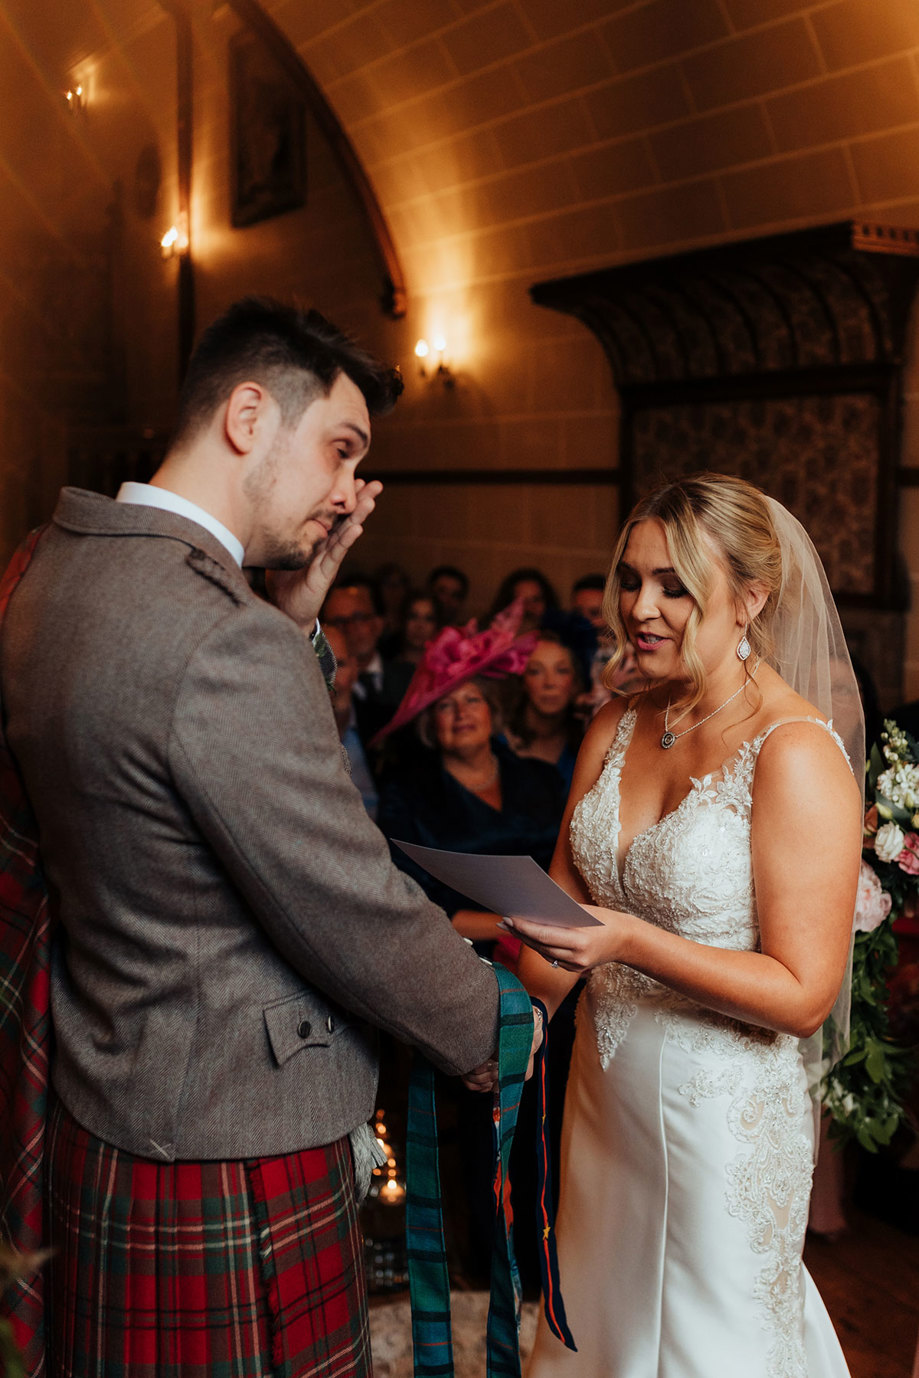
(229, 921)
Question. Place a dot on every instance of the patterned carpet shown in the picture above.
(391, 1334)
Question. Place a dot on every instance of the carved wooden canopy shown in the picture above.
(778, 359)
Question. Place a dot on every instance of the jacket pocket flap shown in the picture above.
(300, 1021)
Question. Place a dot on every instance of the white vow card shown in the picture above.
(509, 885)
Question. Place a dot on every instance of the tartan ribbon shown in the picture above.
(429, 1280)
(515, 1039)
(25, 1031)
(553, 1303)
(426, 1253)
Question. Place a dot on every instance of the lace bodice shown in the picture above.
(690, 873)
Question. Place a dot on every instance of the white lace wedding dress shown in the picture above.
(687, 1145)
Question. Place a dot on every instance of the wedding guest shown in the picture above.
(538, 596)
(393, 584)
(605, 684)
(544, 724)
(467, 790)
(417, 626)
(587, 600)
(355, 607)
(449, 587)
(346, 718)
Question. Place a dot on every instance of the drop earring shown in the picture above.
(743, 648)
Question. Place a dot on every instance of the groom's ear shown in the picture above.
(250, 419)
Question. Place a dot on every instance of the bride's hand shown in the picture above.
(576, 949)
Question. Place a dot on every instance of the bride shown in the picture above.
(715, 822)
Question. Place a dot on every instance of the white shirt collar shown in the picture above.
(145, 495)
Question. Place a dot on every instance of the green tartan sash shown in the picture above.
(429, 1282)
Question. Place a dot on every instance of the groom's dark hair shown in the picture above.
(296, 354)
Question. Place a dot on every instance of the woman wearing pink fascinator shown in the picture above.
(466, 790)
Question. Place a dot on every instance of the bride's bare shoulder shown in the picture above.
(799, 754)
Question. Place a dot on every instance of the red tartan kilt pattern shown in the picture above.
(203, 1270)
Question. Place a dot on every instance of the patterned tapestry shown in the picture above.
(817, 455)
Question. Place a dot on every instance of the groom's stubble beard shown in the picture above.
(289, 554)
(283, 551)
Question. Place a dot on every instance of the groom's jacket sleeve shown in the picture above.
(255, 755)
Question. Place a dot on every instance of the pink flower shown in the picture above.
(872, 904)
(908, 860)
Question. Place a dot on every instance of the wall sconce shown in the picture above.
(75, 97)
(175, 241)
(443, 370)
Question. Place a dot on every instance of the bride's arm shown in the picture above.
(551, 984)
(806, 840)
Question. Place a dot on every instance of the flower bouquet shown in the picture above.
(864, 1092)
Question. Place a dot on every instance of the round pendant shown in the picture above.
(667, 740)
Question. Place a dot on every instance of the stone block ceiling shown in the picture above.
(531, 137)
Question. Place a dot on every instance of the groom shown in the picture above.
(229, 927)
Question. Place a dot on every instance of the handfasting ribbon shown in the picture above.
(553, 1303)
(515, 1040)
(428, 1279)
(25, 1032)
(429, 1282)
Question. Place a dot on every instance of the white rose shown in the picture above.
(889, 842)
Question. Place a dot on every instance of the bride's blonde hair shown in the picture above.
(711, 521)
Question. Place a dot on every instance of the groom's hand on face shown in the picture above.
(301, 592)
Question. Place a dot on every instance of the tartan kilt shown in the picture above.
(249, 1269)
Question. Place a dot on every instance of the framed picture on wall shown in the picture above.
(267, 135)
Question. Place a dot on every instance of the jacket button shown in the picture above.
(304, 1028)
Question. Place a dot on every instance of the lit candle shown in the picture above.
(392, 1192)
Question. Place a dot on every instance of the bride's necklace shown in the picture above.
(668, 738)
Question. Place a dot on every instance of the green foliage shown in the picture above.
(864, 1093)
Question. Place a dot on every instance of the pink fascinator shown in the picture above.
(460, 653)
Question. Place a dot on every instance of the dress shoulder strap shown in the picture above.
(622, 736)
(819, 722)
